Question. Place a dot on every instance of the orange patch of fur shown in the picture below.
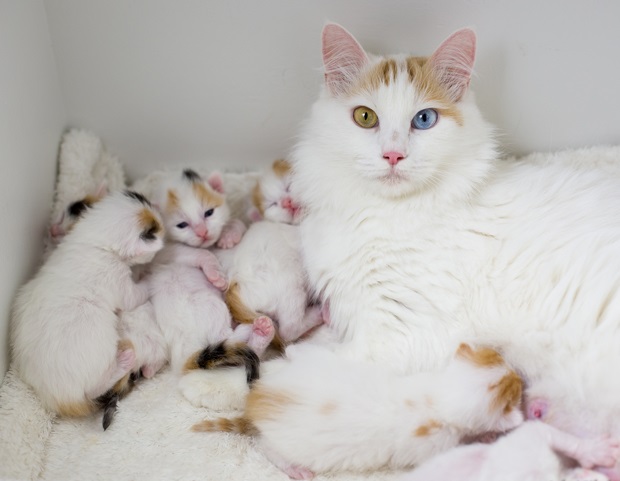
(172, 201)
(483, 356)
(76, 409)
(508, 392)
(147, 221)
(239, 425)
(428, 428)
(263, 404)
(206, 195)
(257, 199)
(192, 362)
(328, 408)
(281, 167)
(238, 310)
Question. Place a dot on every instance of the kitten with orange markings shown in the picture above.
(64, 337)
(315, 412)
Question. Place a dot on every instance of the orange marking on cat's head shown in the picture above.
(383, 73)
(483, 356)
(328, 408)
(207, 196)
(281, 167)
(427, 429)
(257, 199)
(148, 222)
(507, 393)
(264, 404)
(172, 201)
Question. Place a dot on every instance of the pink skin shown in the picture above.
(393, 157)
(327, 320)
(201, 231)
(288, 204)
(263, 331)
(537, 408)
(231, 234)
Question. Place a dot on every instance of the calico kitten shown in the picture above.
(315, 412)
(64, 335)
(186, 280)
(271, 198)
(416, 233)
(529, 453)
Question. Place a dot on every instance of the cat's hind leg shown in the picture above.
(293, 471)
(124, 363)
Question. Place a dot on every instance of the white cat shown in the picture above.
(64, 336)
(186, 280)
(315, 412)
(417, 234)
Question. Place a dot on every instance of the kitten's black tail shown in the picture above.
(108, 401)
(224, 354)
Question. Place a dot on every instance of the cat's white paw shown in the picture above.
(599, 452)
(220, 390)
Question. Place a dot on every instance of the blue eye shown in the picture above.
(182, 225)
(424, 119)
(208, 213)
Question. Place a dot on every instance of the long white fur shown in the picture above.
(458, 243)
(64, 327)
(529, 453)
(346, 415)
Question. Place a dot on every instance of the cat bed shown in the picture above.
(150, 437)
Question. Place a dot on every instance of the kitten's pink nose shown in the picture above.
(393, 157)
(201, 231)
(56, 231)
(288, 204)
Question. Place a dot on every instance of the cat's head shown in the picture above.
(271, 197)
(397, 125)
(124, 223)
(195, 210)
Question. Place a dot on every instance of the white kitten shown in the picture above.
(64, 337)
(315, 412)
(529, 453)
(416, 234)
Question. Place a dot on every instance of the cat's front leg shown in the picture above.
(199, 258)
(231, 234)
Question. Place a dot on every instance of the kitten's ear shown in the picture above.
(343, 58)
(216, 182)
(102, 190)
(453, 62)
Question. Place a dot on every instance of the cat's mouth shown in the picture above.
(394, 177)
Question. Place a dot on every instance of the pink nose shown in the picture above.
(393, 157)
(201, 231)
(288, 204)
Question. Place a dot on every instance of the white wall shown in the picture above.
(165, 80)
(31, 122)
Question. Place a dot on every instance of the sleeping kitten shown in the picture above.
(64, 336)
(186, 279)
(526, 454)
(416, 234)
(271, 198)
(315, 412)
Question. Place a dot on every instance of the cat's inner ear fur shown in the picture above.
(343, 58)
(453, 62)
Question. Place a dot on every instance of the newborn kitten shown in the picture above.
(316, 412)
(64, 336)
(526, 454)
(186, 279)
(271, 199)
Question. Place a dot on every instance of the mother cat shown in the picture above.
(418, 235)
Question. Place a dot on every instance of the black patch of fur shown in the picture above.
(223, 355)
(77, 208)
(139, 197)
(192, 175)
(149, 234)
(108, 401)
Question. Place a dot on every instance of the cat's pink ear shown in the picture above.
(216, 182)
(453, 62)
(343, 58)
(102, 190)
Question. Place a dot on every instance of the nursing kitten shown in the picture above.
(417, 234)
(315, 412)
(64, 335)
(526, 454)
(186, 281)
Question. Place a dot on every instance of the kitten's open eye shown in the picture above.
(208, 213)
(365, 117)
(182, 225)
(424, 119)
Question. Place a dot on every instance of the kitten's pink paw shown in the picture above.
(148, 371)
(231, 235)
(216, 277)
(297, 472)
(126, 359)
(600, 452)
(580, 474)
(263, 332)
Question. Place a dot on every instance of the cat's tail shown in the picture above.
(239, 425)
(242, 314)
(108, 401)
(226, 354)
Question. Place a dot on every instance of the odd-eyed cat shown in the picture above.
(186, 280)
(416, 233)
(315, 412)
(64, 337)
(529, 453)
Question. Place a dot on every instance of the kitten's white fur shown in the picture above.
(453, 242)
(64, 327)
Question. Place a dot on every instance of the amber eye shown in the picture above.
(365, 117)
